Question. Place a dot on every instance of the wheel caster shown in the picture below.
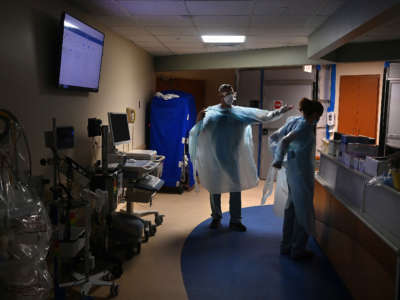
(159, 220)
(153, 230)
(114, 289)
(117, 271)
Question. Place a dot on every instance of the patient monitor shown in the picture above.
(136, 164)
(118, 123)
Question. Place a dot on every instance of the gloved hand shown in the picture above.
(277, 164)
(285, 108)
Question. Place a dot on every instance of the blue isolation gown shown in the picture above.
(299, 156)
(221, 147)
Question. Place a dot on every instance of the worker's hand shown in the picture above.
(201, 115)
(277, 164)
(286, 108)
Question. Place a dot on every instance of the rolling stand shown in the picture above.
(72, 240)
(128, 229)
(85, 280)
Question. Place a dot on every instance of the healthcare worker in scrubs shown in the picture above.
(221, 150)
(296, 141)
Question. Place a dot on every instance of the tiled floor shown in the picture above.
(156, 272)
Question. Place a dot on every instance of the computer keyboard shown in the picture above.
(150, 182)
(110, 166)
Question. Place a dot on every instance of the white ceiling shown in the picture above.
(168, 27)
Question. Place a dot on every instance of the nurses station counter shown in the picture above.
(358, 228)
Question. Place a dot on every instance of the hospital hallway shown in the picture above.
(156, 272)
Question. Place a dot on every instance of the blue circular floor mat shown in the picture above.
(223, 264)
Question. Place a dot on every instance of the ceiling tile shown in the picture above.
(274, 45)
(143, 38)
(111, 21)
(221, 20)
(129, 30)
(165, 30)
(238, 8)
(267, 40)
(103, 7)
(269, 8)
(278, 21)
(276, 30)
(152, 44)
(177, 44)
(329, 7)
(301, 8)
(162, 21)
(155, 7)
(177, 38)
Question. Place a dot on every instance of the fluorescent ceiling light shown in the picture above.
(223, 39)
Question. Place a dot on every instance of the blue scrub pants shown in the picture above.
(235, 206)
(294, 236)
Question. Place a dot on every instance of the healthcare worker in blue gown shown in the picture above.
(221, 150)
(294, 149)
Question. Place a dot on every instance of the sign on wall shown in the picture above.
(278, 104)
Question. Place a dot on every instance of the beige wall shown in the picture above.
(368, 68)
(213, 79)
(28, 62)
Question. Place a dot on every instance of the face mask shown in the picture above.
(315, 121)
(229, 99)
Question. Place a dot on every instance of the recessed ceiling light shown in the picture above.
(223, 39)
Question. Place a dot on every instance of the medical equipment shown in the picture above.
(64, 137)
(73, 239)
(25, 229)
(94, 127)
(128, 227)
(118, 123)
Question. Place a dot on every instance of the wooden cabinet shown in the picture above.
(358, 105)
(365, 262)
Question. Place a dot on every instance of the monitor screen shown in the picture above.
(119, 128)
(81, 54)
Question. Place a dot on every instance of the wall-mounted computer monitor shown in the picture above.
(81, 55)
(119, 128)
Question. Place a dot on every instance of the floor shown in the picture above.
(156, 272)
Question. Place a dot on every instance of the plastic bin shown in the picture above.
(158, 171)
(375, 166)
